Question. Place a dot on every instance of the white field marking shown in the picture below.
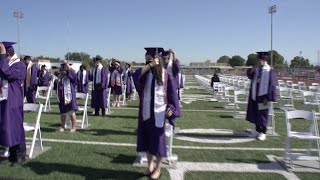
(272, 167)
(211, 131)
(215, 140)
(176, 147)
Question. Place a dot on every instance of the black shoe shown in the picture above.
(4, 161)
(18, 162)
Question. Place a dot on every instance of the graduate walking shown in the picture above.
(262, 92)
(31, 81)
(83, 79)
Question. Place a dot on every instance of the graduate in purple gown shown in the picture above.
(116, 83)
(12, 76)
(172, 66)
(66, 95)
(158, 101)
(43, 77)
(99, 77)
(262, 92)
(31, 81)
(83, 79)
(127, 81)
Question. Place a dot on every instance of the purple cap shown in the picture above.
(27, 58)
(8, 45)
(263, 55)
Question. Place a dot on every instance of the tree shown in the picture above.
(277, 59)
(299, 62)
(252, 59)
(223, 59)
(236, 61)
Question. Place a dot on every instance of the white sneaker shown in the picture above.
(262, 137)
(254, 134)
(61, 129)
(6, 154)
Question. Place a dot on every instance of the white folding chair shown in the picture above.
(311, 134)
(84, 121)
(285, 95)
(271, 113)
(310, 99)
(169, 134)
(47, 105)
(314, 84)
(29, 107)
(302, 86)
(227, 96)
(108, 110)
(238, 114)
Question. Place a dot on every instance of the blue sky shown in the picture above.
(197, 29)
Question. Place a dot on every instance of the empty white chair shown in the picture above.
(228, 95)
(34, 127)
(48, 89)
(285, 95)
(310, 99)
(272, 128)
(84, 121)
(302, 86)
(314, 84)
(289, 84)
(240, 97)
(312, 134)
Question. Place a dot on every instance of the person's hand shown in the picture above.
(65, 62)
(171, 50)
(2, 49)
(169, 112)
(155, 62)
(265, 102)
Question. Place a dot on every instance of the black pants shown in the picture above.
(261, 129)
(96, 111)
(17, 152)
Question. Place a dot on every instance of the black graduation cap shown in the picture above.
(153, 51)
(27, 58)
(165, 53)
(63, 65)
(263, 55)
(97, 59)
(8, 45)
(43, 66)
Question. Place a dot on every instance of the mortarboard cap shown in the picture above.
(263, 55)
(165, 53)
(154, 51)
(97, 59)
(8, 45)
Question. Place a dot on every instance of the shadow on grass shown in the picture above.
(86, 172)
(250, 161)
(103, 132)
(226, 116)
(119, 159)
(120, 116)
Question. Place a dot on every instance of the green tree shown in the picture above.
(223, 59)
(236, 61)
(278, 59)
(299, 62)
(252, 59)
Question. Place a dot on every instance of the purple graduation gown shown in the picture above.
(82, 88)
(44, 78)
(261, 117)
(99, 98)
(11, 110)
(73, 104)
(149, 137)
(31, 93)
(128, 83)
(175, 72)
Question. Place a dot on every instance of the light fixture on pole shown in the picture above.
(272, 10)
(19, 15)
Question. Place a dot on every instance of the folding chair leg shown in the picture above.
(33, 143)
(40, 139)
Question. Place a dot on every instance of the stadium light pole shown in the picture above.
(19, 15)
(272, 10)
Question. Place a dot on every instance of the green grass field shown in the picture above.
(84, 161)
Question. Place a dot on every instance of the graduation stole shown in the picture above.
(98, 73)
(3, 82)
(65, 90)
(160, 98)
(28, 77)
(264, 81)
(84, 73)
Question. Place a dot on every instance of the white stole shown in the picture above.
(264, 81)
(98, 78)
(4, 89)
(160, 104)
(169, 68)
(84, 73)
(28, 76)
(66, 90)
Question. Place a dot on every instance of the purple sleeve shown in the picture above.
(104, 78)
(17, 71)
(173, 101)
(139, 80)
(176, 67)
(249, 75)
(34, 75)
(272, 87)
(120, 70)
(73, 76)
(87, 77)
